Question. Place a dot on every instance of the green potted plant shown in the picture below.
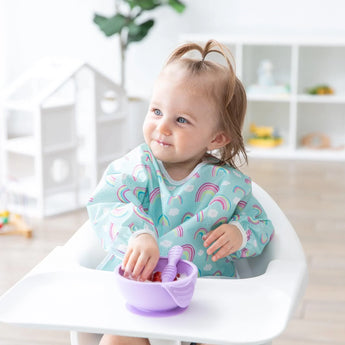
(127, 23)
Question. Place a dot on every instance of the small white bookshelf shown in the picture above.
(300, 63)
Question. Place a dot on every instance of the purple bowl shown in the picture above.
(151, 297)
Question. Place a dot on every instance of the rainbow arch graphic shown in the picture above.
(178, 198)
(139, 170)
(148, 156)
(235, 217)
(253, 220)
(240, 190)
(139, 211)
(217, 273)
(187, 216)
(196, 175)
(258, 210)
(220, 221)
(188, 252)
(223, 200)
(205, 189)
(216, 170)
(111, 180)
(121, 194)
(113, 233)
(119, 211)
(159, 175)
(200, 232)
(163, 220)
(155, 195)
(139, 192)
(200, 216)
(178, 231)
(264, 238)
(132, 227)
(242, 204)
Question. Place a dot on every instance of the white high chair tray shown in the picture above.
(72, 297)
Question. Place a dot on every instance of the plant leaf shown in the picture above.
(177, 5)
(146, 5)
(131, 3)
(137, 32)
(110, 25)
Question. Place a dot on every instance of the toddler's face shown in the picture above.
(182, 121)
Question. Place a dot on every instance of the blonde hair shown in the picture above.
(227, 91)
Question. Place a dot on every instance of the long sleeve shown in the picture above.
(118, 207)
(252, 220)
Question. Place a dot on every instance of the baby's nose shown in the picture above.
(164, 128)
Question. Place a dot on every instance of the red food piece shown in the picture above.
(157, 276)
(177, 276)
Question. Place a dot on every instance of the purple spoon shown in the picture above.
(169, 271)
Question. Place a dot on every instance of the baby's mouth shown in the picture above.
(162, 143)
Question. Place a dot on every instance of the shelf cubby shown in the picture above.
(300, 63)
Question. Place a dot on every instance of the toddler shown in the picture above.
(182, 186)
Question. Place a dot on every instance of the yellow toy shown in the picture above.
(264, 136)
(13, 224)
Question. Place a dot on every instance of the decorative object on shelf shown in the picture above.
(126, 23)
(266, 84)
(13, 224)
(320, 90)
(319, 141)
(264, 136)
(76, 125)
(316, 141)
(265, 74)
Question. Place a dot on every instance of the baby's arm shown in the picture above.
(248, 232)
(118, 213)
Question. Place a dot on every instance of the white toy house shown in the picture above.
(62, 123)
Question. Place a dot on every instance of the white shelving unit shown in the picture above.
(71, 123)
(299, 63)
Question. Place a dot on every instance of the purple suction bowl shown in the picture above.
(157, 296)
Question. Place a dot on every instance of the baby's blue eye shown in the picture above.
(157, 112)
(181, 120)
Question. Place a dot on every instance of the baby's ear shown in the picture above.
(220, 140)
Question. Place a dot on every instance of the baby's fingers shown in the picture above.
(211, 236)
(148, 269)
(139, 266)
(223, 252)
(219, 243)
(126, 258)
(132, 260)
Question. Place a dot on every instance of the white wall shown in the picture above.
(36, 28)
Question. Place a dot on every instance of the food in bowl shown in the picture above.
(158, 296)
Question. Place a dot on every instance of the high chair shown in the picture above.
(65, 292)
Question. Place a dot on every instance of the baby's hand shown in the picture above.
(141, 257)
(227, 238)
